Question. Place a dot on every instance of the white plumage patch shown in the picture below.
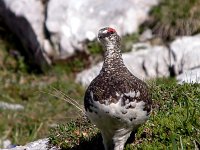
(117, 121)
(133, 94)
(132, 116)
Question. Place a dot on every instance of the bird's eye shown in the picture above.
(99, 36)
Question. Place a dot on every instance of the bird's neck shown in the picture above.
(112, 58)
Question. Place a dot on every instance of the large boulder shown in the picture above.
(57, 29)
(156, 62)
(186, 53)
(71, 22)
(189, 76)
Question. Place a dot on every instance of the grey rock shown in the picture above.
(146, 35)
(71, 22)
(144, 61)
(156, 62)
(189, 76)
(150, 61)
(186, 53)
(68, 23)
(6, 143)
(42, 144)
(86, 76)
(133, 61)
(4, 105)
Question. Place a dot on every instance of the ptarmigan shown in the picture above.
(116, 101)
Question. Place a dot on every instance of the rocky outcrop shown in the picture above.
(189, 76)
(57, 29)
(186, 53)
(151, 61)
(71, 22)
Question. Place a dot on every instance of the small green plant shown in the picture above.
(79, 134)
(94, 47)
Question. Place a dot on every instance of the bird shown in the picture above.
(116, 101)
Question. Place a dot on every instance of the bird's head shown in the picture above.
(108, 36)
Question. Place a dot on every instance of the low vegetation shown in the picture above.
(174, 122)
(175, 18)
(41, 109)
(33, 91)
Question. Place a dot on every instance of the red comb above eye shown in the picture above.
(111, 30)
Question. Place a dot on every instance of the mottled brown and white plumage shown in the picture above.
(116, 101)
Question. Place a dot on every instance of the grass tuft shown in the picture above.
(175, 18)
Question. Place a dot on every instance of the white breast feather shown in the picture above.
(116, 110)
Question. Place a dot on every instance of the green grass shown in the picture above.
(174, 122)
(175, 18)
(42, 110)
